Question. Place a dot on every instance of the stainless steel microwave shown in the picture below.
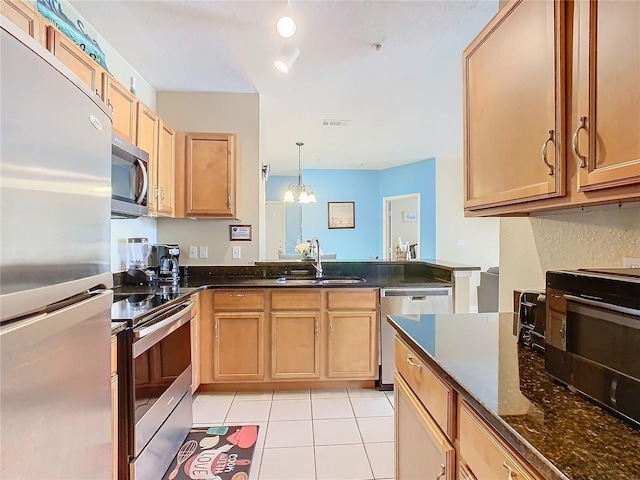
(129, 179)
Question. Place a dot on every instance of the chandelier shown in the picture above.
(300, 192)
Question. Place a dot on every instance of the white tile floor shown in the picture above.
(317, 435)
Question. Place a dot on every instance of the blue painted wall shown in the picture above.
(366, 188)
(417, 177)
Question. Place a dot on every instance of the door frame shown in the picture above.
(386, 225)
(284, 223)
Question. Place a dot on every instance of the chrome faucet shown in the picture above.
(318, 265)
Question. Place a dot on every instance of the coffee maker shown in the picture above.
(138, 273)
(165, 260)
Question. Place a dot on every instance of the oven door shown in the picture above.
(161, 371)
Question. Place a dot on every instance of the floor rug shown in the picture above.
(220, 453)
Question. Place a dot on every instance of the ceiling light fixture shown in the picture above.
(286, 27)
(301, 192)
(287, 57)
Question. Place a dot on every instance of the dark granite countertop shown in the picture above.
(560, 433)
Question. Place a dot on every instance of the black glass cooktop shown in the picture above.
(136, 308)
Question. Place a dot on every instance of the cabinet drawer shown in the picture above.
(296, 300)
(486, 455)
(114, 355)
(434, 393)
(238, 301)
(352, 299)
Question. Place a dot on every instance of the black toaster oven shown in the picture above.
(532, 319)
(592, 337)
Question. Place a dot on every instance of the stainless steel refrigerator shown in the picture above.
(55, 164)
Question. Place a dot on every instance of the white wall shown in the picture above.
(530, 246)
(126, 228)
(222, 113)
(481, 236)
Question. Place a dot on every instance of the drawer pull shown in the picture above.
(512, 474)
(441, 473)
(237, 295)
(412, 363)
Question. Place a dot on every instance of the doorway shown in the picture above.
(275, 229)
(401, 219)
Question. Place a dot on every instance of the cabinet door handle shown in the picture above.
(110, 106)
(574, 142)
(511, 473)
(161, 193)
(216, 329)
(229, 201)
(442, 472)
(317, 328)
(544, 151)
(330, 327)
(97, 92)
(412, 363)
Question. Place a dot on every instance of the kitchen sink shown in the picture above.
(341, 281)
(319, 281)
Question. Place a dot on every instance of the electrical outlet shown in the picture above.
(193, 252)
(236, 252)
(204, 251)
(630, 262)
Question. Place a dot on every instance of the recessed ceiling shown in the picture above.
(403, 102)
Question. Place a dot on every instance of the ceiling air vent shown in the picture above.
(336, 123)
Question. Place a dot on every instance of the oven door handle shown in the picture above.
(605, 306)
(146, 337)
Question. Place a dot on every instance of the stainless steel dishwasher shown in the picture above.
(405, 301)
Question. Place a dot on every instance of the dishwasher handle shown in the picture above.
(416, 294)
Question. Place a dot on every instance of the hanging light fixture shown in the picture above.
(300, 192)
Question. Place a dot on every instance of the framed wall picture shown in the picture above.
(342, 214)
(240, 233)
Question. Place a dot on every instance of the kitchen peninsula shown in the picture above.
(503, 412)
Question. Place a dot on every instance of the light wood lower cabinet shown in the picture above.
(295, 345)
(195, 343)
(282, 335)
(429, 423)
(238, 346)
(422, 450)
(352, 345)
(485, 454)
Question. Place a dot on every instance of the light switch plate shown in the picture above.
(204, 251)
(630, 262)
(236, 252)
(193, 252)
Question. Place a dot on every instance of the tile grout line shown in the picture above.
(361, 437)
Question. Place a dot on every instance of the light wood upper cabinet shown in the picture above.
(422, 450)
(76, 60)
(124, 107)
(513, 116)
(607, 129)
(210, 175)
(166, 171)
(25, 17)
(147, 134)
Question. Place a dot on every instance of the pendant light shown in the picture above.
(300, 192)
